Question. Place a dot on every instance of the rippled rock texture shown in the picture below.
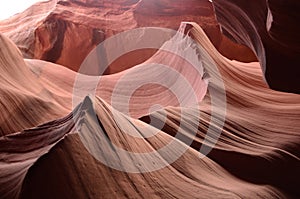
(182, 122)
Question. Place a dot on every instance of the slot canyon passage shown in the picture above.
(150, 99)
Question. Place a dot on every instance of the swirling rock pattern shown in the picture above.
(270, 28)
(257, 154)
(58, 143)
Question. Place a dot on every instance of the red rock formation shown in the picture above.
(256, 155)
(57, 142)
(271, 29)
(65, 31)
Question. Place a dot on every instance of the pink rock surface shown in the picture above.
(182, 121)
(255, 156)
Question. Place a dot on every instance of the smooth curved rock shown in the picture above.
(65, 31)
(270, 28)
(255, 156)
